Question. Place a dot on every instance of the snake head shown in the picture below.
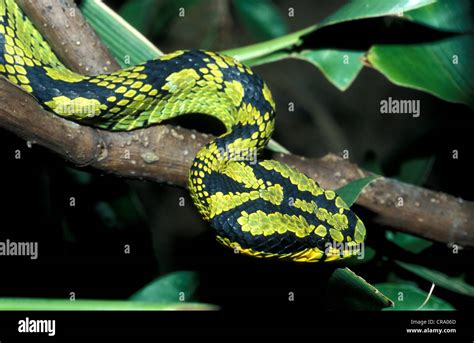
(271, 210)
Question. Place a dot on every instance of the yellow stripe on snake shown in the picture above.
(264, 208)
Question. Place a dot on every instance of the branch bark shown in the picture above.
(164, 153)
(61, 22)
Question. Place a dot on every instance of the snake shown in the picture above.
(261, 208)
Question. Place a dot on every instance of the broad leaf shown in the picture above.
(341, 67)
(173, 287)
(408, 242)
(454, 284)
(364, 9)
(350, 192)
(416, 170)
(441, 68)
(348, 291)
(407, 297)
(447, 15)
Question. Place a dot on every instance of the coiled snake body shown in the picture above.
(262, 209)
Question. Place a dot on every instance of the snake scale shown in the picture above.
(260, 208)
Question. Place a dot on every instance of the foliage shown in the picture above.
(408, 298)
(350, 192)
(420, 66)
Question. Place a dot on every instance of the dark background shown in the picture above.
(81, 248)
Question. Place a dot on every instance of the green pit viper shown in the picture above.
(265, 209)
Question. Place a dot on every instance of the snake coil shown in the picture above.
(260, 208)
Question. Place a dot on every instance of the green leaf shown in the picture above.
(408, 242)
(441, 68)
(350, 192)
(261, 18)
(173, 287)
(277, 147)
(410, 297)
(416, 170)
(341, 67)
(127, 45)
(393, 277)
(332, 63)
(364, 9)
(454, 284)
(348, 291)
(447, 15)
(139, 14)
(40, 304)
(431, 67)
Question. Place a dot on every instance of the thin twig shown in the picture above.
(427, 298)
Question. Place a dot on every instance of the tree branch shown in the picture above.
(75, 42)
(164, 153)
